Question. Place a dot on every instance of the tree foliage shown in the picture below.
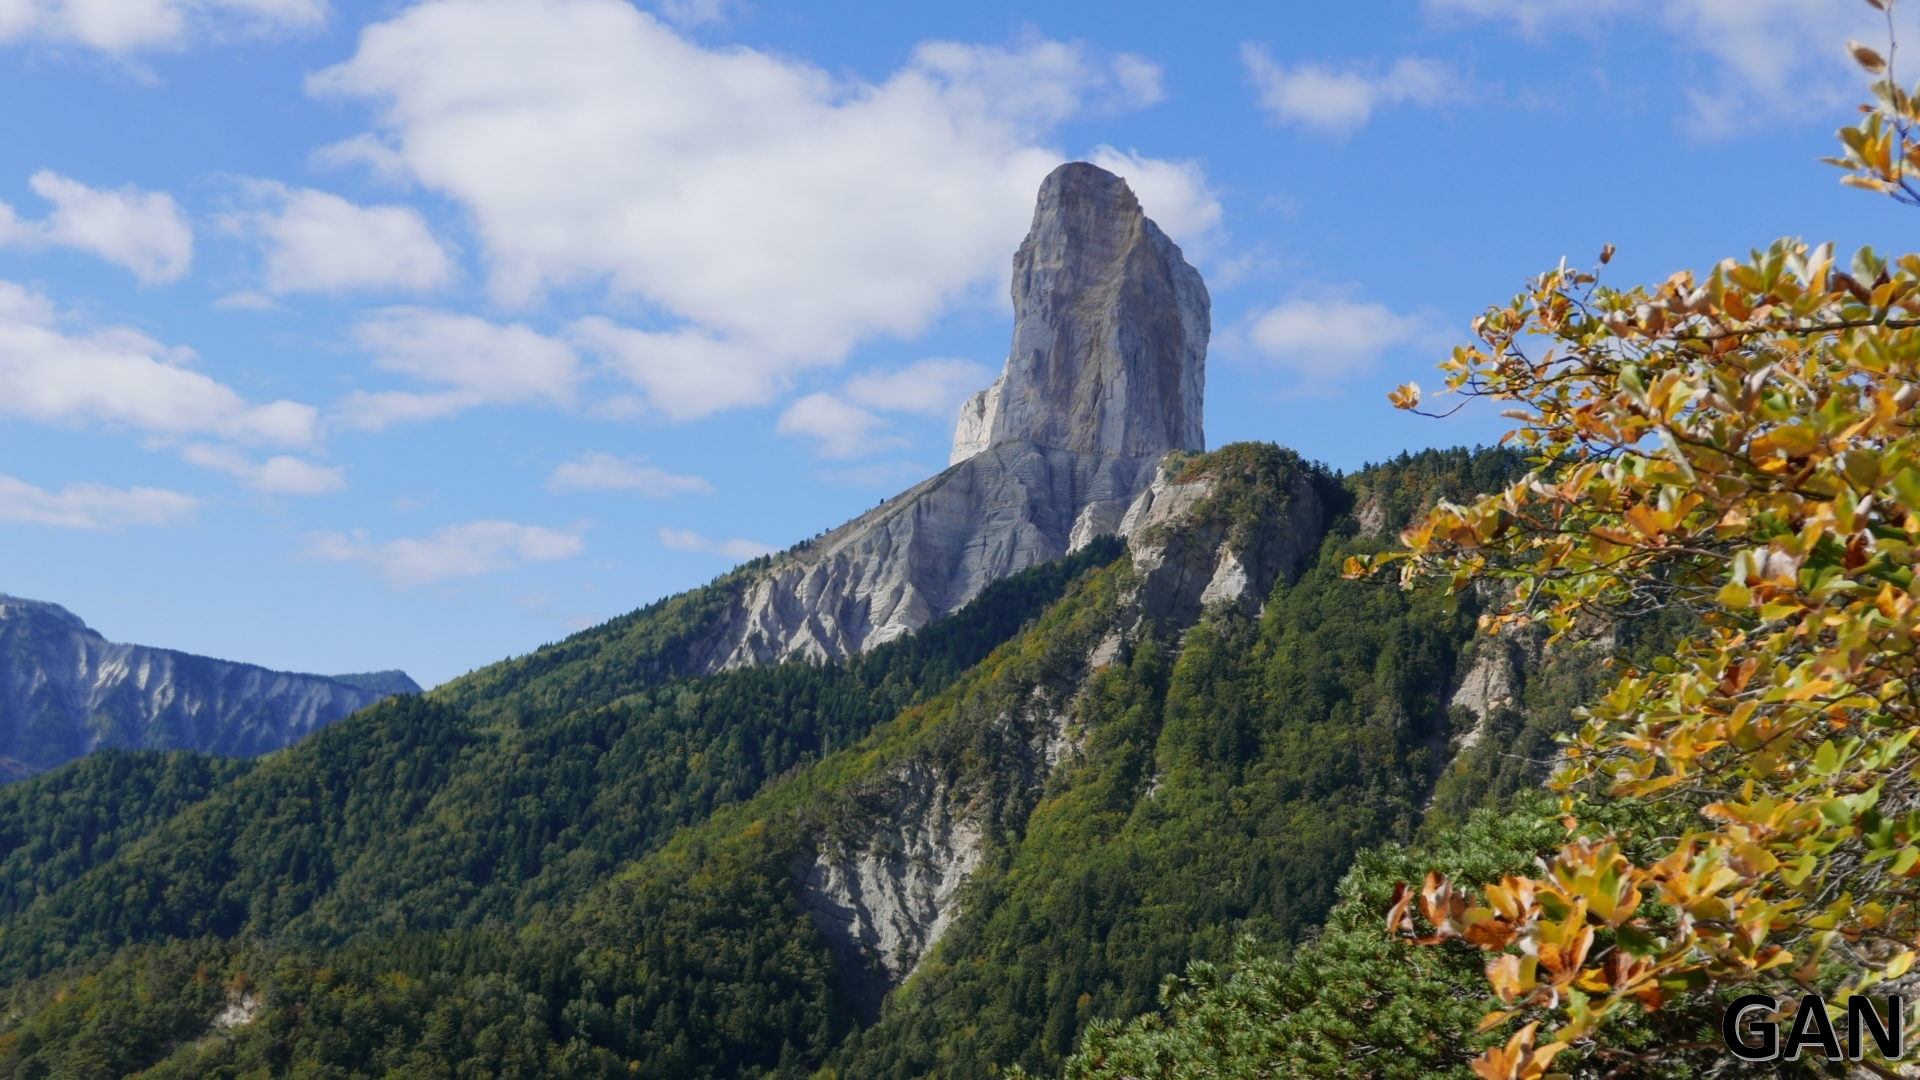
(60, 825)
(1350, 1003)
(1743, 446)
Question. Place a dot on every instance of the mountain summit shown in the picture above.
(1104, 378)
(1109, 335)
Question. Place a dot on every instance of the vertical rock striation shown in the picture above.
(1106, 374)
(886, 897)
(1109, 334)
(66, 691)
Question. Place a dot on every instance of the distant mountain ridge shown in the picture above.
(66, 691)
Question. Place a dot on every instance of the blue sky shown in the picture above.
(349, 336)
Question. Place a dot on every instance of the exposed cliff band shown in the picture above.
(1106, 374)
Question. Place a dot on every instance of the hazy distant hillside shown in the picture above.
(66, 691)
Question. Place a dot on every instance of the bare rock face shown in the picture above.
(1497, 677)
(1185, 564)
(65, 691)
(978, 414)
(1109, 335)
(1106, 375)
(921, 554)
(885, 897)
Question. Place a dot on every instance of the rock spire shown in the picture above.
(1105, 376)
(1109, 336)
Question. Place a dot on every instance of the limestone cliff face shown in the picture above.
(1109, 335)
(65, 691)
(1493, 681)
(974, 431)
(1106, 374)
(1187, 562)
(887, 897)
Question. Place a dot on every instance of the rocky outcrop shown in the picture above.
(65, 691)
(973, 433)
(241, 1008)
(384, 683)
(1105, 376)
(884, 897)
(1109, 335)
(923, 554)
(1371, 515)
(1495, 678)
(1186, 561)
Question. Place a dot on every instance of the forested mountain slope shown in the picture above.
(414, 816)
(945, 857)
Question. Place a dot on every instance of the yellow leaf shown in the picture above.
(1811, 689)
(1494, 1019)
(1780, 609)
(1898, 966)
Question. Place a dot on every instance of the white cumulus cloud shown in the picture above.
(685, 373)
(736, 549)
(1325, 341)
(775, 213)
(472, 362)
(126, 26)
(599, 471)
(470, 549)
(367, 151)
(1768, 59)
(842, 430)
(119, 376)
(280, 474)
(92, 506)
(933, 387)
(319, 242)
(1341, 99)
(143, 231)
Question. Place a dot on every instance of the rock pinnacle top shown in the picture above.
(1109, 336)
